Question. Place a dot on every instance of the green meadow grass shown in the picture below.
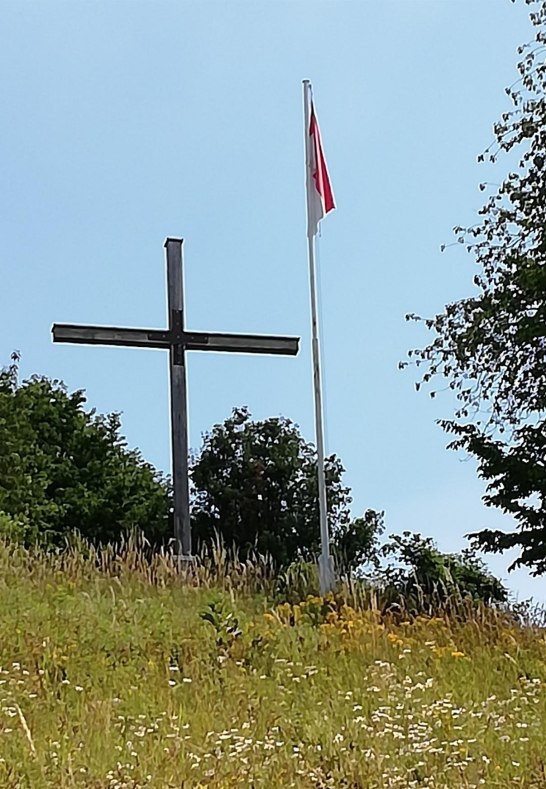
(136, 674)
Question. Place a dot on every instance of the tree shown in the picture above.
(255, 485)
(491, 347)
(64, 469)
(425, 577)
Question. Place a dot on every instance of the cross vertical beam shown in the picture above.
(179, 397)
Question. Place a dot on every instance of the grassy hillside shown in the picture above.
(133, 675)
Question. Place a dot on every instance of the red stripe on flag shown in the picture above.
(320, 174)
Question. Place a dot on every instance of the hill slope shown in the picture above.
(128, 676)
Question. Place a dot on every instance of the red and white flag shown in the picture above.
(320, 197)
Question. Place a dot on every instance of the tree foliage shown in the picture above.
(424, 577)
(491, 347)
(63, 468)
(255, 485)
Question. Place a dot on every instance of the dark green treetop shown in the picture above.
(254, 483)
(63, 468)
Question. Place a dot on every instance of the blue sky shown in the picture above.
(127, 122)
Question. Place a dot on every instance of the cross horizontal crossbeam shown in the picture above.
(191, 341)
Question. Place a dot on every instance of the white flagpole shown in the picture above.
(326, 573)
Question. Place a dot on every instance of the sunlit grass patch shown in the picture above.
(116, 676)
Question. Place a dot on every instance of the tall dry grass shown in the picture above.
(122, 669)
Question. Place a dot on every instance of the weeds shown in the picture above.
(124, 670)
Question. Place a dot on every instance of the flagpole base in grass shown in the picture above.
(183, 559)
(327, 575)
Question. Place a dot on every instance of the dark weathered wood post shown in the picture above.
(179, 397)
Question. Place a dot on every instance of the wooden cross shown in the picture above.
(176, 340)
